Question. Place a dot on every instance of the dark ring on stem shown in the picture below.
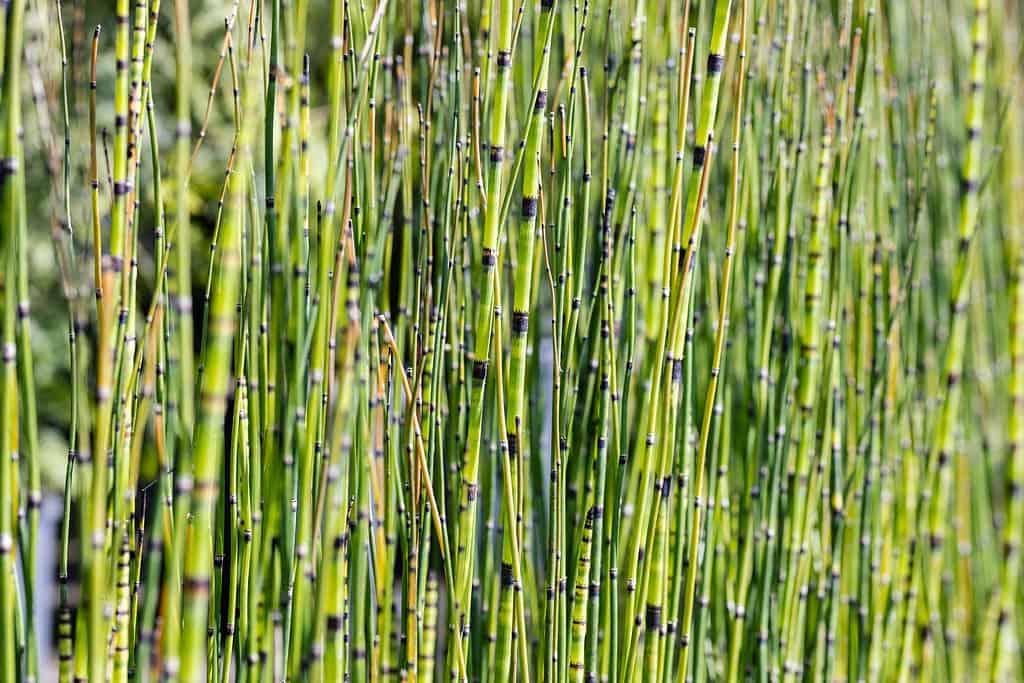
(715, 63)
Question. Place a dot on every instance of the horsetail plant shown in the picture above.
(607, 340)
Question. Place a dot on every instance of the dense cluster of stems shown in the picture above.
(534, 340)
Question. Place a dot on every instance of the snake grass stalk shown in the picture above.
(464, 553)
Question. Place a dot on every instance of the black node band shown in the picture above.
(520, 322)
(715, 63)
(699, 153)
(529, 210)
(480, 370)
